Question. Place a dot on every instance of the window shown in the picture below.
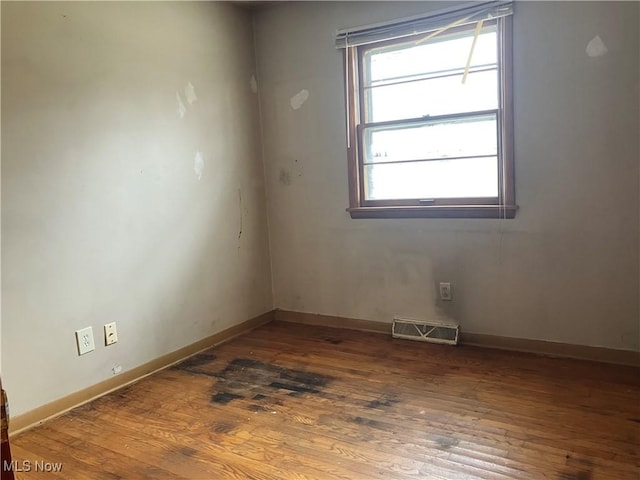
(430, 117)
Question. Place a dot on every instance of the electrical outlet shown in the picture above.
(116, 369)
(84, 340)
(110, 333)
(445, 291)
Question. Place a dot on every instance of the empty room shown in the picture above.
(320, 240)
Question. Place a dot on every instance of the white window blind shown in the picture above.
(441, 19)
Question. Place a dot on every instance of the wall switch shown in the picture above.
(84, 340)
(110, 333)
(445, 291)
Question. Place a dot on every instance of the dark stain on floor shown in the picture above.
(292, 388)
(384, 402)
(256, 380)
(576, 468)
(583, 475)
(222, 427)
(257, 408)
(119, 397)
(334, 341)
(197, 363)
(187, 451)
(371, 423)
(637, 420)
(224, 397)
(445, 443)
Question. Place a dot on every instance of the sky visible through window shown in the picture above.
(431, 75)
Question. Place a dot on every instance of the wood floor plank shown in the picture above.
(305, 402)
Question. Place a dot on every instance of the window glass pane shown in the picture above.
(462, 137)
(475, 177)
(439, 96)
(440, 54)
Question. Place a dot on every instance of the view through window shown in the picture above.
(448, 147)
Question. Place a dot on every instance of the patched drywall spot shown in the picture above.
(198, 165)
(181, 108)
(596, 47)
(285, 177)
(190, 93)
(253, 84)
(299, 98)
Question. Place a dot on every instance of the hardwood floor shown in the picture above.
(290, 401)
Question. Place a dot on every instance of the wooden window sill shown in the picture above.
(435, 211)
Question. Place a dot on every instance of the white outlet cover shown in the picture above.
(445, 291)
(84, 340)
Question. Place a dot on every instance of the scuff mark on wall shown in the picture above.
(596, 47)
(181, 108)
(285, 177)
(299, 98)
(190, 93)
(241, 215)
(253, 84)
(198, 165)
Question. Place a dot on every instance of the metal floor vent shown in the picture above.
(434, 332)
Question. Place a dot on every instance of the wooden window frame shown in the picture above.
(503, 206)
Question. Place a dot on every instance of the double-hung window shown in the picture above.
(429, 115)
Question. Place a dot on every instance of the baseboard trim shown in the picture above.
(62, 405)
(331, 321)
(553, 349)
(539, 347)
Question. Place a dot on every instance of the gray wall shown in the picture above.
(566, 269)
(104, 217)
